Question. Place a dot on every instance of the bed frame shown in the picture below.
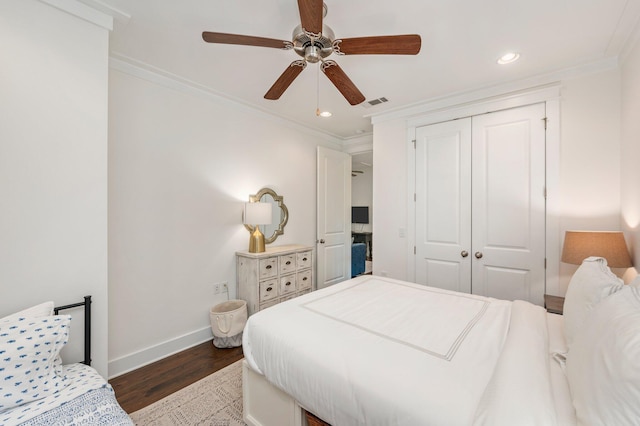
(266, 405)
(87, 325)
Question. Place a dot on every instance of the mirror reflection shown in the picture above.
(280, 214)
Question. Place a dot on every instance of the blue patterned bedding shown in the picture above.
(86, 399)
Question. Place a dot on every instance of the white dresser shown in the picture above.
(278, 274)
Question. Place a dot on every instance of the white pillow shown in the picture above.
(592, 282)
(28, 350)
(42, 310)
(603, 364)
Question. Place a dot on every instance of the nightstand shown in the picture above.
(554, 304)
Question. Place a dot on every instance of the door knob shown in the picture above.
(464, 253)
(478, 255)
(321, 241)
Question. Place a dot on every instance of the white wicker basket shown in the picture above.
(227, 323)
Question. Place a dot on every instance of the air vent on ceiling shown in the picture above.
(374, 102)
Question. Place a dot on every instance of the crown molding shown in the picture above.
(82, 11)
(631, 42)
(166, 79)
(624, 32)
(117, 14)
(493, 91)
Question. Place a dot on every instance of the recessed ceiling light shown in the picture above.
(508, 58)
(323, 113)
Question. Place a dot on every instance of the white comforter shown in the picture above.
(376, 351)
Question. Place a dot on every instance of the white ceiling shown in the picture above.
(461, 40)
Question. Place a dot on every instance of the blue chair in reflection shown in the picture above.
(358, 258)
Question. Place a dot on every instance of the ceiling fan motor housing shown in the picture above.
(313, 47)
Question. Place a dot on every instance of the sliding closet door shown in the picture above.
(508, 204)
(443, 205)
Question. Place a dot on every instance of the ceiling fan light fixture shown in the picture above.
(323, 114)
(311, 54)
(508, 58)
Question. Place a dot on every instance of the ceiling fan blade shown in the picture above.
(379, 45)
(245, 40)
(339, 79)
(284, 81)
(311, 12)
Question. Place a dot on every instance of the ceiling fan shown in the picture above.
(314, 42)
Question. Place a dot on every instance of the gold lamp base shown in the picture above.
(256, 241)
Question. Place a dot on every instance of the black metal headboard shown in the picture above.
(87, 325)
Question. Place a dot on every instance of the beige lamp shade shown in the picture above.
(578, 245)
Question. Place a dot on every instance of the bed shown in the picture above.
(36, 388)
(378, 351)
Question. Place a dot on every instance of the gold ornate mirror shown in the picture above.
(280, 214)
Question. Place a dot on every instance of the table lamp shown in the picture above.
(578, 245)
(256, 214)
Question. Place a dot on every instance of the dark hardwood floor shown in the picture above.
(148, 384)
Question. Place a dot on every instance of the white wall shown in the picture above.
(181, 165)
(391, 198)
(589, 157)
(53, 163)
(589, 178)
(630, 164)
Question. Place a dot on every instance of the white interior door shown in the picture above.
(508, 204)
(443, 205)
(480, 204)
(333, 245)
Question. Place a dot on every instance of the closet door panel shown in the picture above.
(510, 283)
(507, 173)
(443, 205)
(508, 204)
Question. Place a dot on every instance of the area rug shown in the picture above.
(215, 400)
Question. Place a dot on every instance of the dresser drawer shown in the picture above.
(268, 289)
(292, 296)
(303, 279)
(287, 263)
(268, 267)
(268, 304)
(304, 260)
(287, 284)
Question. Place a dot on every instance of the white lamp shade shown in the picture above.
(257, 214)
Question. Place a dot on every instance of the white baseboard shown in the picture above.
(146, 356)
